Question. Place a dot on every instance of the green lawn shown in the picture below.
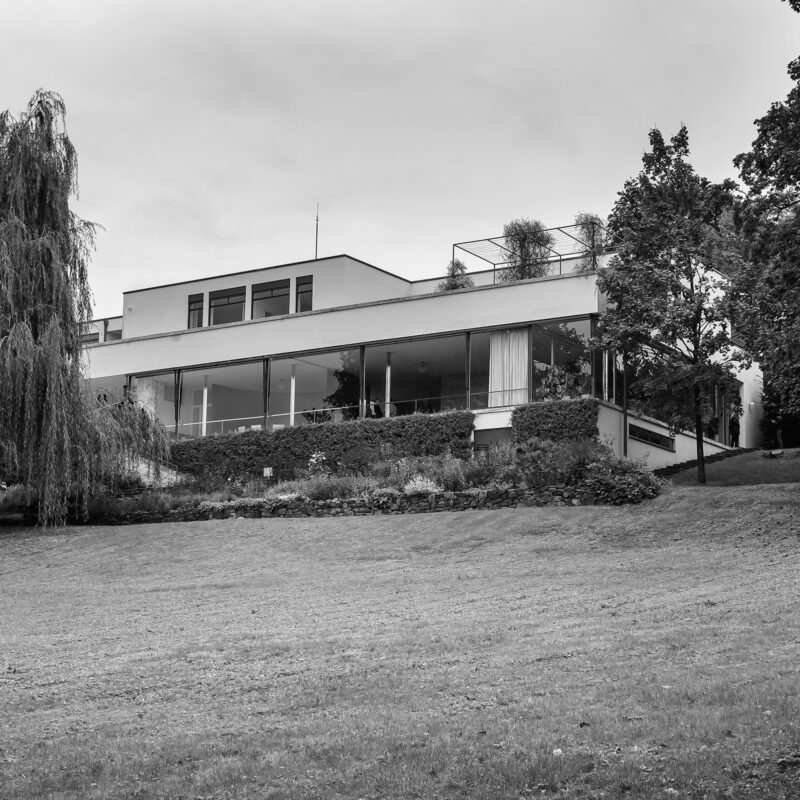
(651, 651)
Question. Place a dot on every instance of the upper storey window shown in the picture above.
(270, 299)
(303, 291)
(195, 311)
(226, 305)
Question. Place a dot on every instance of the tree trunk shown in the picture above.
(698, 435)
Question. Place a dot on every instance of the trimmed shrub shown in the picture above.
(246, 454)
(556, 420)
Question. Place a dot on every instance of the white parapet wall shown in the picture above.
(426, 315)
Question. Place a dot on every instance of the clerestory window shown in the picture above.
(226, 305)
(270, 299)
(195, 311)
(304, 290)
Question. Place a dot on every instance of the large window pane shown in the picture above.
(542, 358)
(109, 390)
(479, 370)
(424, 376)
(327, 386)
(508, 367)
(571, 352)
(316, 388)
(221, 399)
(375, 380)
(562, 360)
(499, 368)
(279, 402)
(157, 394)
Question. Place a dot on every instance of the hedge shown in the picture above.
(353, 443)
(556, 420)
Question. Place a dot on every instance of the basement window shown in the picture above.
(651, 437)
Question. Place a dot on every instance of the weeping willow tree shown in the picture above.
(56, 438)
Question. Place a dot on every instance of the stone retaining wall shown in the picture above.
(248, 507)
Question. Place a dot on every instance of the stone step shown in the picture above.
(672, 469)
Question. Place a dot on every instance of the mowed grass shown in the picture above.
(748, 469)
(651, 651)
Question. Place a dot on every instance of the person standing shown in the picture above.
(733, 431)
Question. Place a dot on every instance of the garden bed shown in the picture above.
(265, 507)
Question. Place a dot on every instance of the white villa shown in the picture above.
(337, 338)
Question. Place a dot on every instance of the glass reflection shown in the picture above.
(420, 377)
(157, 394)
(221, 400)
(323, 387)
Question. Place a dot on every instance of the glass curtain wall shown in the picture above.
(423, 376)
(221, 399)
(316, 388)
(416, 377)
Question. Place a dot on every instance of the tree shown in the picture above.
(673, 235)
(528, 244)
(456, 277)
(766, 291)
(56, 437)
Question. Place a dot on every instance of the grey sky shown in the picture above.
(207, 131)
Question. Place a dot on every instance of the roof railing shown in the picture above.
(567, 242)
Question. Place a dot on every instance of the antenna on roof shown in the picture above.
(316, 237)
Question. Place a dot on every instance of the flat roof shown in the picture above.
(261, 269)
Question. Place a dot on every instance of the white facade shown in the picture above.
(342, 339)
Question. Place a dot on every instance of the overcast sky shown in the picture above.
(207, 131)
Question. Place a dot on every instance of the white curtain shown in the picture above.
(508, 368)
